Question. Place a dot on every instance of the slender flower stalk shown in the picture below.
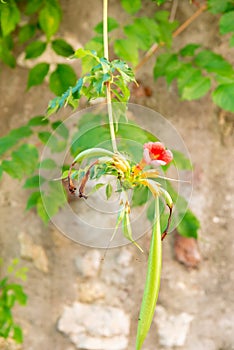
(108, 89)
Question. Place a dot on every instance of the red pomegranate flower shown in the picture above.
(156, 154)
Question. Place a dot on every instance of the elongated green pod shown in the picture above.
(152, 284)
(92, 152)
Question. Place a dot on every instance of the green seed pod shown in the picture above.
(152, 284)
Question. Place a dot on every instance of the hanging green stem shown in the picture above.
(152, 284)
(108, 88)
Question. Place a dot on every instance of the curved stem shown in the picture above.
(108, 88)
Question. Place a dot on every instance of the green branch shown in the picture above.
(108, 88)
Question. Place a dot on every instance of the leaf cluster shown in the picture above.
(21, 159)
(10, 294)
(42, 19)
(93, 85)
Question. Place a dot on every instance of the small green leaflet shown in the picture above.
(132, 6)
(37, 74)
(62, 78)
(192, 84)
(189, 50)
(17, 334)
(35, 49)
(218, 6)
(33, 199)
(49, 18)
(39, 120)
(127, 50)
(189, 225)
(109, 190)
(33, 181)
(96, 188)
(111, 24)
(226, 23)
(213, 63)
(180, 161)
(140, 196)
(26, 32)
(9, 17)
(11, 139)
(5, 52)
(62, 48)
(24, 161)
(223, 96)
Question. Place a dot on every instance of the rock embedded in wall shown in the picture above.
(172, 329)
(88, 265)
(33, 252)
(95, 327)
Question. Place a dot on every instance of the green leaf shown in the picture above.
(38, 121)
(9, 17)
(24, 161)
(140, 196)
(6, 142)
(44, 136)
(47, 164)
(32, 200)
(34, 181)
(94, 189)
(223, 96)
(231, 41)
(127, 50)
(109, 190)
(180, 161)
(10, 140)
(33, 6)
(62, 48)
(35, 49)
(143, 32)
(226, 23)
(165, 28)
(41, 212)
(96, 43)
(17, 334)
(167, 65)
(132, 6)
(1, 172)
(26, 32)
(192, 84)
(214, 63)
(37, 74)
(21, 132)
(189, 50)
(60, 129)
(111, 24)
(160, 2)
(54, 199)
(217, 6)
(62, 78)
(5, 54)
(21, 297)
(13, 169)
(49, 18)
(189, 225)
